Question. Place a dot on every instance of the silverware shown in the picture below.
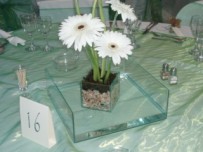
(168, 37)
(149, 27)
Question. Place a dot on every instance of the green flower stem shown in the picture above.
(114, 21)
(95, 62)
(101, 11)
(103, 68)
(94, 54)
(77, 7)
(95, 65)
(94, 57)
(108, 73)
(95, 73)
(94, 8)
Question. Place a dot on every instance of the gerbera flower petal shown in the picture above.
(125, 10)
(115, 45)
(116, 59)
(80, 31)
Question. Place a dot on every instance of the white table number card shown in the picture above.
(36, 122)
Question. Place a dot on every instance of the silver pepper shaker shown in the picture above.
(165, 72)
(173, 79)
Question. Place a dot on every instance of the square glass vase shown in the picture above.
(142, 101)
(100, 96)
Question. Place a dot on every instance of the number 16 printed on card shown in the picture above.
(36, 122)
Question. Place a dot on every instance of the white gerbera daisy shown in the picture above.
(125, 10)
(114, 45)
(80, 30)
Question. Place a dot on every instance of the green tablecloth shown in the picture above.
(181, 131)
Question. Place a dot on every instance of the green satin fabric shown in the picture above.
(181, 131)
(10, 11)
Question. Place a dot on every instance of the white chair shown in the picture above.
(185, 14)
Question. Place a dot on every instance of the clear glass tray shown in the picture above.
(143, 100)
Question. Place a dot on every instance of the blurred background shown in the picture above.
(169, 8)
(156, 10)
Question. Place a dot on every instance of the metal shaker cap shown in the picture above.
(165, 67)
(173, 71)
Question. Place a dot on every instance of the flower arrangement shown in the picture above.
(90, 33)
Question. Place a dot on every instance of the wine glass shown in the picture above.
(132, 28)
(199, 39)
(45, 24)
(193, 25)
(28, 22)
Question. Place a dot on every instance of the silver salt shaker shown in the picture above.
(173, 79)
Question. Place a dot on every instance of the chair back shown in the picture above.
(191, 9)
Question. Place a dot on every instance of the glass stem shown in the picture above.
(196, 42)
(31, 40)
(46, 40)
(201, 53)
(114, 21)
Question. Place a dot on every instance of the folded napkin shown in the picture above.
(11, 39)
(177, 31)
(164, 28)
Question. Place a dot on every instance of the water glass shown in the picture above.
(44, 27)
(199, 40)
(132, 28)
(28, 22)
(66, 61)
(193, 25)
(199, 55)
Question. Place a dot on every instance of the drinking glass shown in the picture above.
(132, 28)
(193, 25)
(199, 43)
(66, 61)
(28, 22)
(44, 26)
(22, 80)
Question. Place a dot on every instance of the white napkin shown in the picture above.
(183, 31)
(12, 39)
(177, 31)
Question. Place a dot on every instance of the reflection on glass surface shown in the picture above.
(143, 100)
(66, 61)
(116, 149)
